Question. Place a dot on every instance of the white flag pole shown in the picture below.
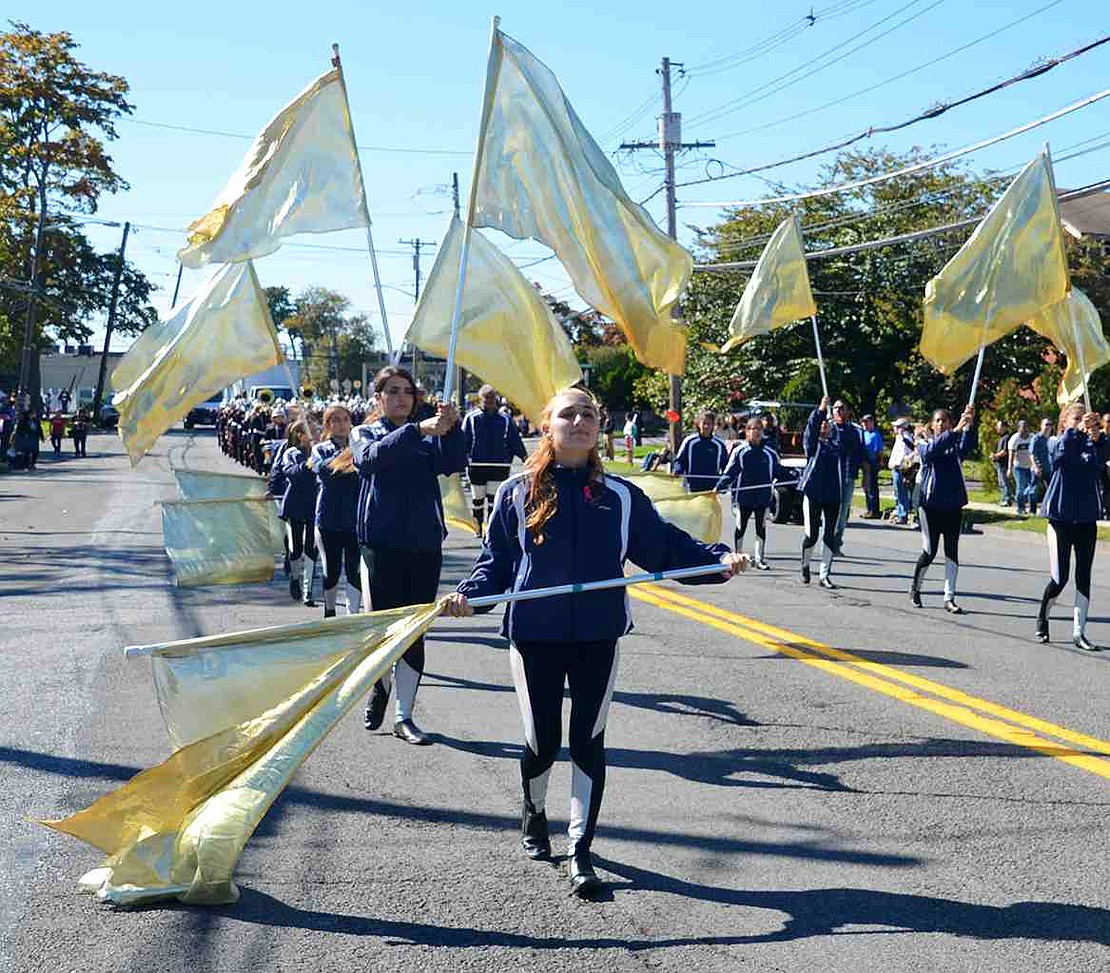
(820, 358)
(338, 65)
(978, 371)
(493, 69)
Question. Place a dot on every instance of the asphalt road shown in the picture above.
(798, 779)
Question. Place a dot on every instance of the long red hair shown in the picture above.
(543, 498)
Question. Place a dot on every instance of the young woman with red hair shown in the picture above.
(564, 520)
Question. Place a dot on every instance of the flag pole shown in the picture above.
(978, 370)
(338, 65)
(820, 358)
(493, 69)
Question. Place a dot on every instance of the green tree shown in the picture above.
(56, 114)
(334, 344)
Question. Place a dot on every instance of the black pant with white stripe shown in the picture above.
(1062, 540)
(937, 524)
(540, 671)
(813, 513)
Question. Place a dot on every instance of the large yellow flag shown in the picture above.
(243, 711)
(456, 508)
(301, 175)
(1072, 321)
(542, 175)
(221, 541)
(205, 485)
(699, 514)
(778, 292)
(1011, 269)
(507, 334)
(224, 333)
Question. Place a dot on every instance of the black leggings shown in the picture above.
(760, 528)
(540, 671)
(300, 540)
(813, 513)
(398, 578)
(339, 549)
(937, 524)
(1062, 539)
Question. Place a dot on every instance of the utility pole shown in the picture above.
(460, 385)
(98, 397)
(670, 142)
(416, 245)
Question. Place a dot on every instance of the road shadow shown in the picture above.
(908, 659)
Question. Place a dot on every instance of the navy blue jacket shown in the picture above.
(822, 479)
(492, 438)
(596, 527)
(337, 501)
(298, 503)
(399, 504)
(753, 466)
(849, 437)
(1077, 462)
(700, 459)
(942, 477)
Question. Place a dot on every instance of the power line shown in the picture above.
(894, 240)
(917, 166)
(930, 113)
(800, 73)
(897, 77)
(239, 135)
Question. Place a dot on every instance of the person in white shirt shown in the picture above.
(1021, 466)
(903, 468)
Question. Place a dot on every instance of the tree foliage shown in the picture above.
(332, 342)
(870, 302)
(56, 114)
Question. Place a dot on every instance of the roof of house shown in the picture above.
(1087, 215)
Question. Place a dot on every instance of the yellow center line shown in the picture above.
(953, 705)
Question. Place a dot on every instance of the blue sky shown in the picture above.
(415, 73)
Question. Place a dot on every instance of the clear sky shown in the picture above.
(415, 72)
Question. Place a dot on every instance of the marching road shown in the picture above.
(798, 779)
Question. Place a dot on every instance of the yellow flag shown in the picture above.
(699, 514)
(456, 508)
(507, 334)
(301, 175)
(542, 175)
(244, 711)
(204, 485)
(1011, 269)
(778, 292)
(223, 334)
(221, 541)
(1074, 318)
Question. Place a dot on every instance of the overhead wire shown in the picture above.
(915, 167)
(927, 115)
(784, 119)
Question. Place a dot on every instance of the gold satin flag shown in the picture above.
(542, 175)
(1011, 269)
(203, 485)
(221, 541)
(223, 334)
(301, 175)
(1060, 324)
(778, 291)
(699, 514)
(244, 711)
(456, 507)
(507, 334)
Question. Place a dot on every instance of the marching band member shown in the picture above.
(297, 508)
(943, 497)
(336, 509)
(400, 521)
(1073, 506)
(701, 456)
(565, 520)
(821, 484)
(492, 440)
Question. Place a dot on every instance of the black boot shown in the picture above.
(584, 882)
(1042, 630)
(375, 707)
(915, 596)
(534, 838)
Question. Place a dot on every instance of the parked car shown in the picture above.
(205, 413)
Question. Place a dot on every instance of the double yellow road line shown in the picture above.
(1009, 725)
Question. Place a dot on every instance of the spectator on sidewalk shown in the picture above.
(1001, 459)
(79, 429)
(873, 457)
(57, 432)
(903, 469)
(1021, 466)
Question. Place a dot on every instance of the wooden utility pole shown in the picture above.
(99, 396)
